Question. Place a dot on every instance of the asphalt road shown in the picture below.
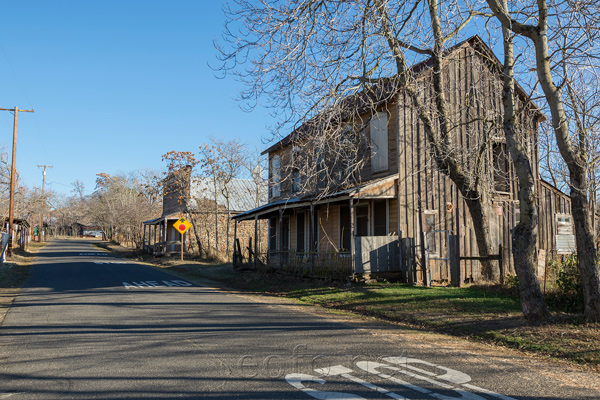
(89, 325)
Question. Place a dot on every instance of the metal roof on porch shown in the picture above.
(361, 192)
(159, 220)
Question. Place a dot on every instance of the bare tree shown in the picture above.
(78, 189)
(256, 166)
(566, 40)
(210, 168)
(232, 155)
(331, 65)
(119, 207)
(525, 234)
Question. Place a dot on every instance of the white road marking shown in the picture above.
(296, 381)
(482, 390)
(345, 372)
(153, 284)
(371, 367)
(450, 375)
(111, 262)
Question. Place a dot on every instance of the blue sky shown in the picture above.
(115, 84)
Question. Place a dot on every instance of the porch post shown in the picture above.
(235, 241)
(144, 239)
(255, 240)
(165, 236)
(352, 235)
(311, 235)
(280, 241)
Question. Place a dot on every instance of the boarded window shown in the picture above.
(362, 220)
(380, 218)
(275, 176)
(430, 225)
(565, 239)
(379, 142)
(500, 166)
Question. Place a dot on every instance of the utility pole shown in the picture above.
(43, 202)
(12, 175)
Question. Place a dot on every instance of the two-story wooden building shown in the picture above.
(398, 212)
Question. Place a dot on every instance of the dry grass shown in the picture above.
(13, 274)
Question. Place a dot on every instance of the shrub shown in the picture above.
(568, 293)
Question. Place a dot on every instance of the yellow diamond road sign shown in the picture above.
(182, 225)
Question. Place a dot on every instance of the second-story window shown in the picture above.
(275, 176)
(296, 179)
(500, 167)
(320, 171)
(379, 142)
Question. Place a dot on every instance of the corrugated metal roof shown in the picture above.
(244, 194)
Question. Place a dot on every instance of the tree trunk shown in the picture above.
(587, 254)
(525, 234)
(490, 270)
(582, 213)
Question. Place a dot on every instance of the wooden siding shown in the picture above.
(474, 88)
(474, 94)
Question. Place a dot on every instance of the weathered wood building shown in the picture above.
(403, 214)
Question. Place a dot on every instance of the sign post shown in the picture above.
(182, 225)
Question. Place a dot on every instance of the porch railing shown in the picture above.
(326, 265)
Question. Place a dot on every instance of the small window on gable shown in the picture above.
(275, 176)
(378, 130)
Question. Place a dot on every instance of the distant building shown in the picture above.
(208, 206)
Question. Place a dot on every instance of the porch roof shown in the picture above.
(381, 188)
(18, 221)
(159, 220)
